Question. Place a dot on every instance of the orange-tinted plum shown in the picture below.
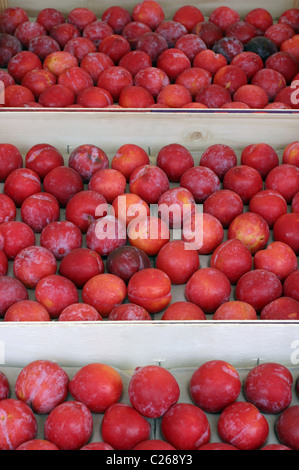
(129, 312)
(235, 310)
(153, 44)
(201, 182)
(242, 425)
(14, 236)
(21, 427)
(291, 154)
(10, 160)
(69, 426)
(62, 33)
(123, 427)
(290, 286)
(252, 95)
(49, 18)
(11, 291)
(188, 16)
(106, 234)
(94, 97)
(20, 184)
(114, 79)
(183, 310)
(194, 80)
(151, 289)
(61, 237)
(63, 183)
(174, 96)
(219, 158)
(125, 261)
(177, 261)
(244, 180)
(11, 18)
(104, 292)
(286, 230)
(152, 391)
(185, 426)
(251, 229)
(27, 310)
(80, 265)
(208, 288)
(233, 259)
(42, 158)
(225, 205)
(96, 385)
(135, 97)
(38, 80)
(59, 61)
(149, 12)
(57, 96)
(33, 264)
(258, 288)
(215, 385)
(128, 206)
(149, 234)
(94, 63)
(209, 60)
(149, 182)
(42, 385)
(213, 96)
(129, 157)
(173, 62)
(283, 308)
(39, 210)
(269, 387)
(55, 293)
(79, 312)
(286, 427)
(18, 96)
(82, 208)
(278, 258)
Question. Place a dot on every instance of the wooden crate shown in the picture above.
(169, 343)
